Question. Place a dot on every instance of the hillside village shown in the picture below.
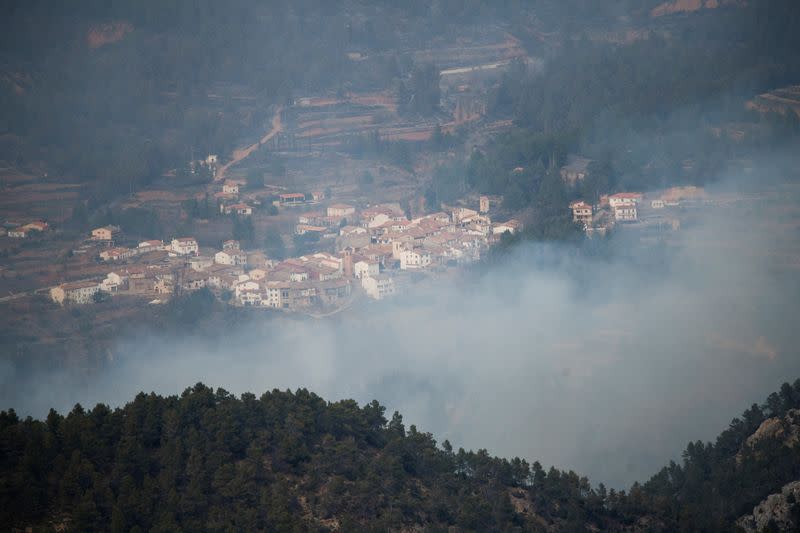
(337, 178)
(377, 248)
(349, 250)
(655, 211)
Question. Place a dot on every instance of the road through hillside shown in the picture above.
(243, 153)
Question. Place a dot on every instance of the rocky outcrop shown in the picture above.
(786, 429)
(779, 512)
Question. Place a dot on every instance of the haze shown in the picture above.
(605, 366)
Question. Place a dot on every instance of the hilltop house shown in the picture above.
(105, 233)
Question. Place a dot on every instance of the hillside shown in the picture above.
(207, 460)
(283, 462)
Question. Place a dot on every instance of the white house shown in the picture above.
(414, 259)
(363, 269)
(112, 282)
(199, 263)
(299, 275)
(347, 231)
(378, 287)
(184, 246)
(377, 220)
(230, 257)
(251, 297)
(239, 209)
(243, 286)
(624, 198)
(81, 292)
(230, 187)
(581, 212)
(512, 226)
(340, 210)
(625, 213)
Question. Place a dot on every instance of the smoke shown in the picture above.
(604, 365)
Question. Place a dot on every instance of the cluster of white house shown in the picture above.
(437, 239)
(628, 208)
(181, 246)
(374, 247)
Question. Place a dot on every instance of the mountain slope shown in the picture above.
(208, 460)
(286, 461)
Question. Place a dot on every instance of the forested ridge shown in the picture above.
(290, 461)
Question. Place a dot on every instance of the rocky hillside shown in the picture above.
(744, 472)
(777, 512)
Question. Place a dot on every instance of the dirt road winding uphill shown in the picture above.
(243, 153)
